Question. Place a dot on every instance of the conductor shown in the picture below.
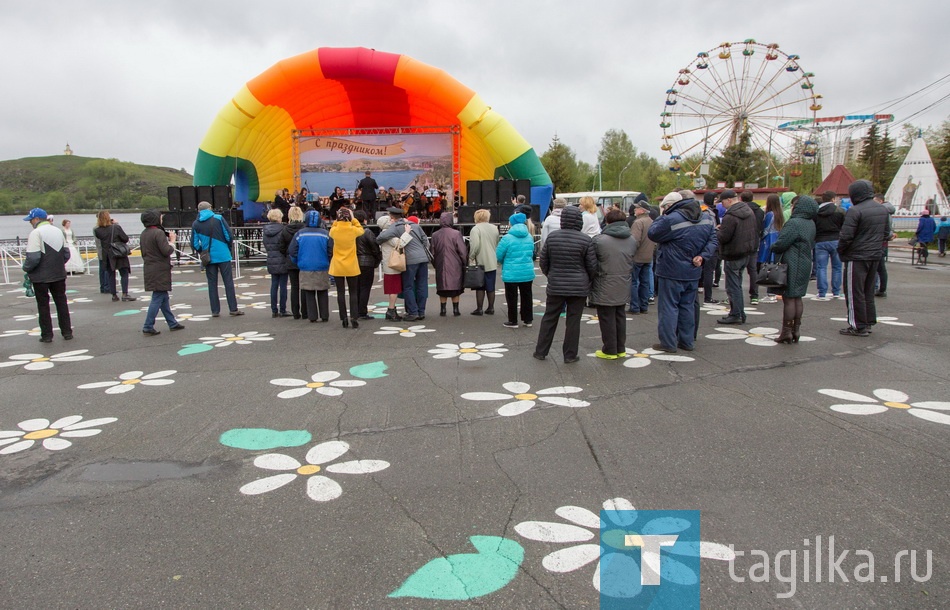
(368, 188)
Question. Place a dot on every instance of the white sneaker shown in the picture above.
(768, 299)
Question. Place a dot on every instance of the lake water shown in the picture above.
(12, 227)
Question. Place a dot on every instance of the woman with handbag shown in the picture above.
(482, 242)
(795, 243)
(450, 254)
(392, 255)
(116, 249)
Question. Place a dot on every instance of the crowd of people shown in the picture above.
(619, 264)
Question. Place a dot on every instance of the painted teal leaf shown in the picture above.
(370, 370)
(194, 348)
(126, 312)
(468, 575)
(256, 439)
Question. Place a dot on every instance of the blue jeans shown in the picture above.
(734, 270)
(104, 276)
(675, 303)
(160, 301)
(278, 281)
(211, 272)
(641, 287)
(415, 288)
(825, 250)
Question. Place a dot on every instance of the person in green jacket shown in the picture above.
(795, 244)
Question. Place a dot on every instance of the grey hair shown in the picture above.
(559, 203)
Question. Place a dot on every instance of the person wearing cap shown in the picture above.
(926, 229)
(738, 238)
(641, 276)
(860, 245)
(211, 234)
(515, 254)
(45, 264)
(415, 279)
(685, 238)
(309, 250)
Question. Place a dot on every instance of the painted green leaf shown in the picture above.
(468, 575)
(194, 348)
(264, 438)
(370, 370)
(126, 312)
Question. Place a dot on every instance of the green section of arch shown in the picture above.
(525, 167)
(211, 170)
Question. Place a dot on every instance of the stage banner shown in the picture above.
(397, 161)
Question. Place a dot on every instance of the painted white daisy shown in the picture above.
(39, 362)
(524, 399)
(762, 336)
(245, 285)
(128, 381)
(410, 331)
(623, 521)
(200, 317)
(592, 318)
(468, 350)
(33, 332)
(376, 311)
(638, 360)
(30, 317)
(888, 320)
(888, 399)
(249, 296)
(53, 435)
(256, 305)
(319, 487)
(175, 307)
(722, 309)
(321, 383)
(78, 300)
(245, 338)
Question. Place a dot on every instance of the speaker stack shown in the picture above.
(205, 193)
(523, 187)
(506, 191)
(187, 218)
(466, 214)
(221, 197)
(473, 192)
(189, 199)
(174, 199)
(489, 192)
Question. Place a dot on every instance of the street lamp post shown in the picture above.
(620, 177)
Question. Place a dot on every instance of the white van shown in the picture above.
(604, 199)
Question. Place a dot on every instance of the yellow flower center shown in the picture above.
(403, 330)
(756, 335)
(468, 350)
(526, 396)
(308, 469)
(234, 338)
(40, 434)
(131, 381)
(39, 360)
(896, 405)
(316, 384)
(639, 355)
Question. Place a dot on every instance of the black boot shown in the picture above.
(787, 335)
(796, 329)
(442, 310)
(392, 315)
(490, 310)
(455, 309)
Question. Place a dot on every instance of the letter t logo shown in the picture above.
(649, 545)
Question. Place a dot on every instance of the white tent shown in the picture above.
(916, 183)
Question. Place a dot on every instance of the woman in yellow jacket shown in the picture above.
(344, 266)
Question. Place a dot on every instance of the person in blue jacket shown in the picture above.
(926, 229)
(685, 238)
(515, 253)
(943, 232)
(211, 233)
(311, 250)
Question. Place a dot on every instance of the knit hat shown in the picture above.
(517, 219)
(413, 219)
(925, 212)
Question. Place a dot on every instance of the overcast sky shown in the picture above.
(142, 81)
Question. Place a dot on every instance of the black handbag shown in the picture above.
(474, 277)
(118, 249)
(772, 275)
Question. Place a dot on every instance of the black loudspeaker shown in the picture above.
(187, 218)
(523, 187)
(504, 212)
(189, 199)
(171, 219)
(237, 218)
(492, 211)
(466, 213)
(506, 191)
(205, 193)
(174, 199)
(489, 192)
(221, 197)
(473, 192)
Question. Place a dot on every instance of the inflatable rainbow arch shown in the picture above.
(329, 88)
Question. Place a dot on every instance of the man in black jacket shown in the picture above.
(45, 263)
(752, 267)
(738, 236)
(827, 227)
(368, 188)
(860, 245)
(569, 261)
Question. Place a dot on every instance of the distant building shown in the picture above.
(68, 151)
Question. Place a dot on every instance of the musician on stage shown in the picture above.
(368, 187)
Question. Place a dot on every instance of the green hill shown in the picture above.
(69, 183)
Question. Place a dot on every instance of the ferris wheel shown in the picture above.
(737, 92)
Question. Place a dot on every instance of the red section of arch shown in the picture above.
(358, 63)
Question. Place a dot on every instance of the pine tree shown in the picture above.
(871, 155)
(561, 164)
